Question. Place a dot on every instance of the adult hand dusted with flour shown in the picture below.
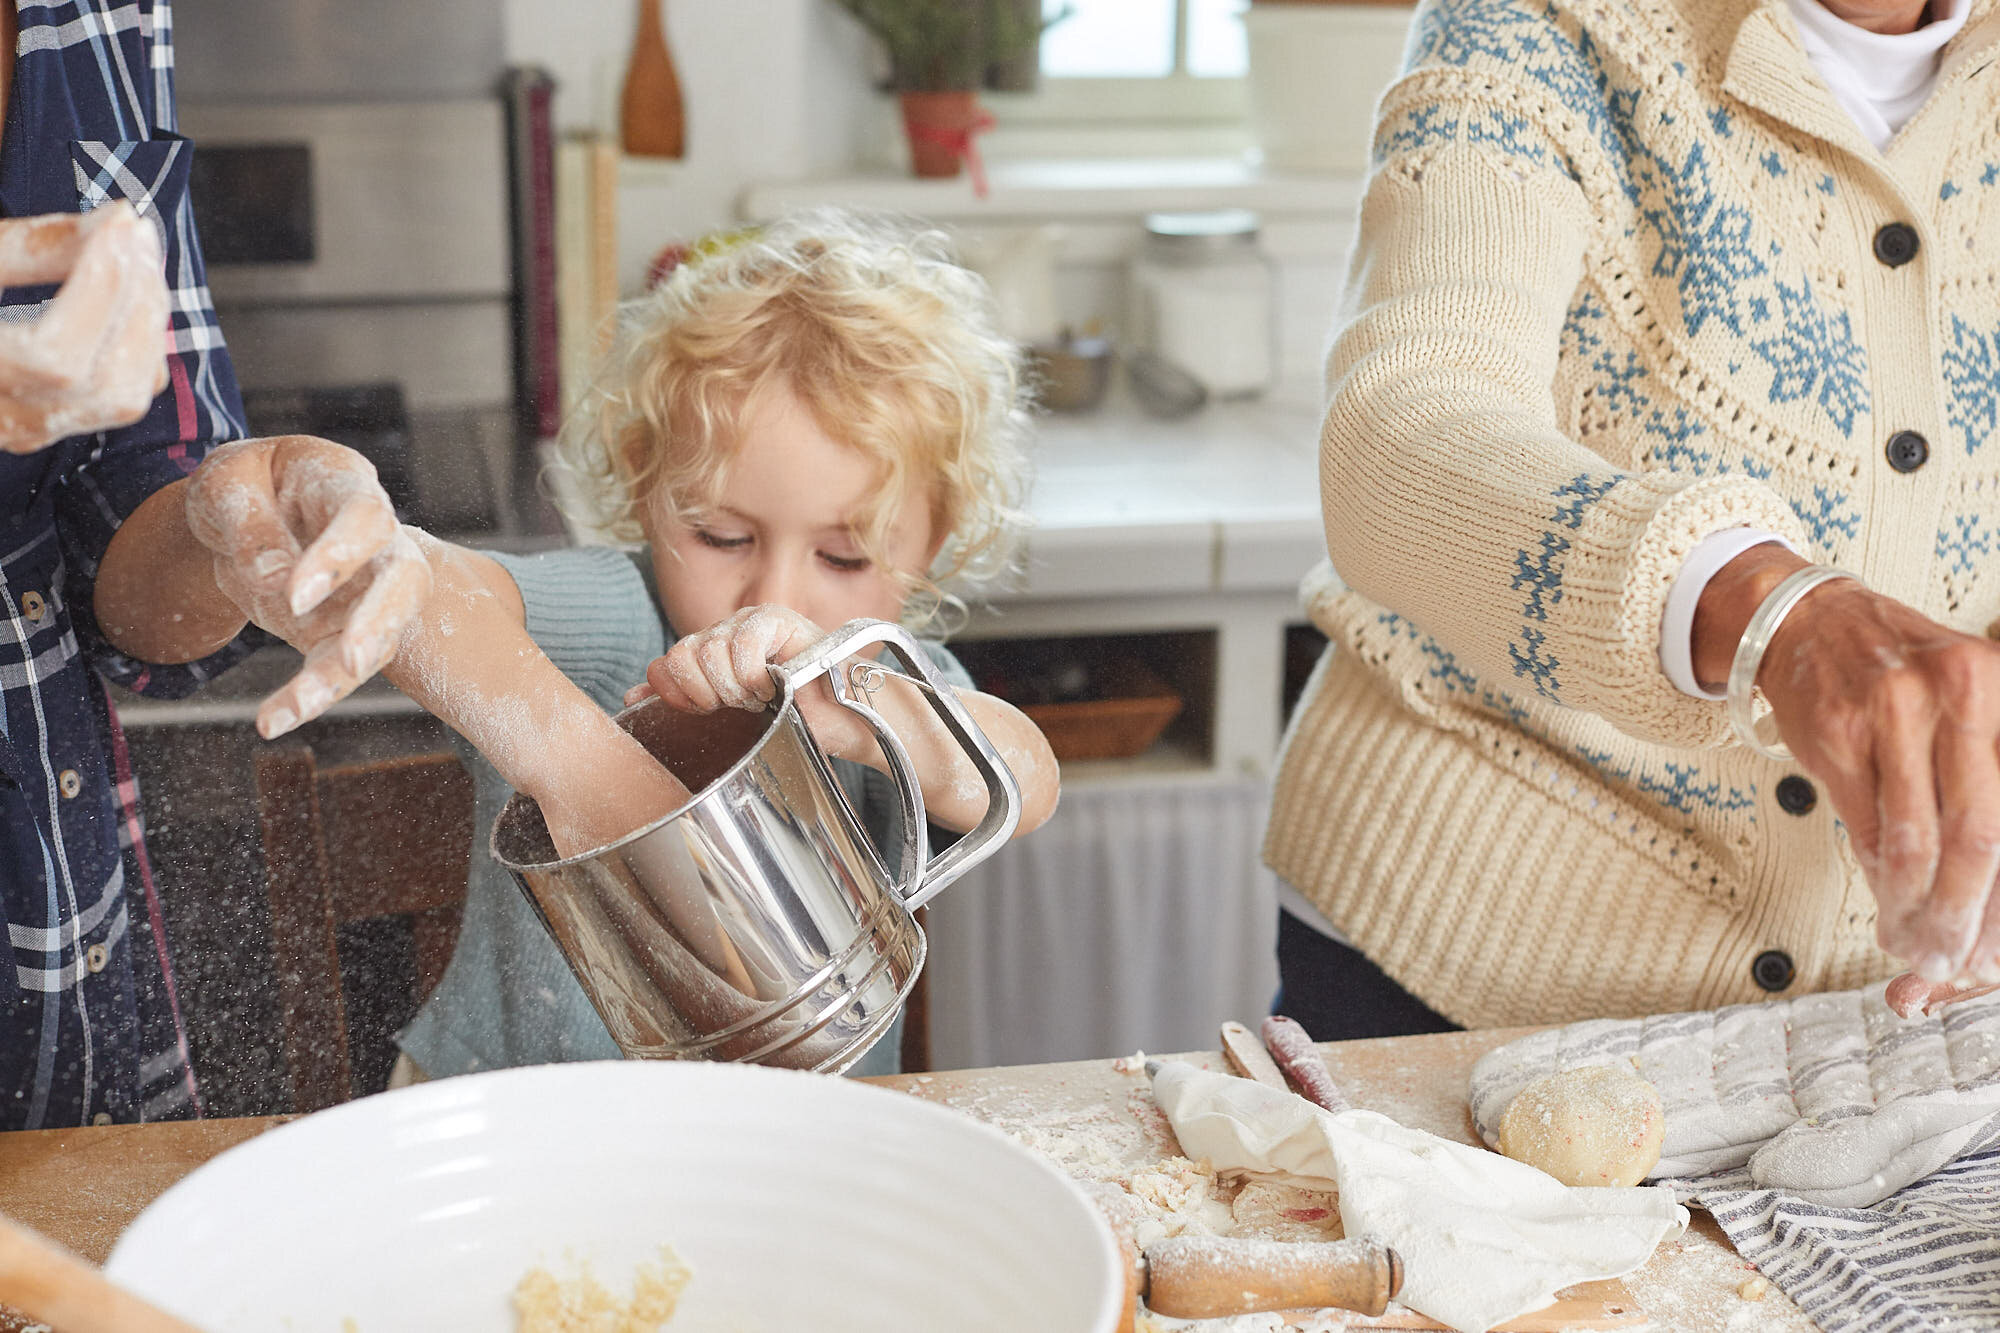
(96, 356)
(1898, 717)
(306, 544)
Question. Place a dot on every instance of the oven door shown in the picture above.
(360, 253)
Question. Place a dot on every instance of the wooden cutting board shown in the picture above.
(1587, 1305)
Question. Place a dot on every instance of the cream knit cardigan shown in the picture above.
(1615, 289)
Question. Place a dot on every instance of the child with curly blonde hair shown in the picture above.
(802, 425)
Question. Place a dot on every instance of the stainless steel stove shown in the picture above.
(359, 256)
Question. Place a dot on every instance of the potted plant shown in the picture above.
(941, 53)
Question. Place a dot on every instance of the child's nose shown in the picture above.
(772, 584)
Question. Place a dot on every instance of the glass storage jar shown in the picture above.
(1202, 297)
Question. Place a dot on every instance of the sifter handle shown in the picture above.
(924, 874)
(1208, 1277)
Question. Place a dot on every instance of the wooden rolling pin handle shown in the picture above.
(46, 1282)
(1209, 1277)
(1295, 1053)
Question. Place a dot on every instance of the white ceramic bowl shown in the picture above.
(800, 1201)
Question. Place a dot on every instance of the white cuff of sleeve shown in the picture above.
(1677, 625)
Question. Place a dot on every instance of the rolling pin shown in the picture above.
(1295, 1053)
(1208, 1277)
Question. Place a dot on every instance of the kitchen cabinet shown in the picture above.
(1202, 526)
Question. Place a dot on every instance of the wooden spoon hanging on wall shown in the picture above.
(45, 1282)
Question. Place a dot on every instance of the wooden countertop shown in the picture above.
(83, 1187)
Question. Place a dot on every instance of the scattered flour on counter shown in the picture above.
(1167, 1195)
(1711, 1288)
(1148, 1322)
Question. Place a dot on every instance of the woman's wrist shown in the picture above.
(1728, 602)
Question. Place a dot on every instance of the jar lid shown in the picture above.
(1188, 235)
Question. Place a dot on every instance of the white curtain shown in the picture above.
(1138, 918)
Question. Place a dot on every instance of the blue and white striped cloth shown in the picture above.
(89, 1022)
(1924, 1260)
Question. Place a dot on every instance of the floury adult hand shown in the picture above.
(306, 543)
(96, 356)
(1898, 718)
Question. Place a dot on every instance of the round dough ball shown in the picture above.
(1593, 1125)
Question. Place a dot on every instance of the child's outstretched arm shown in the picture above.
(728, 666)
(467, 658)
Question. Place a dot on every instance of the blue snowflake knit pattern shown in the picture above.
(1974, 381)
(1541, 573)
(1730, 271)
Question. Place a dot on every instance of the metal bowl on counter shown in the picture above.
(794, 1200)
(1070, 374)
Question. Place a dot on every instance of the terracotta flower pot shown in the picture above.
(940, 127)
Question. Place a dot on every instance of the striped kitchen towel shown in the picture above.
(1924, 1260)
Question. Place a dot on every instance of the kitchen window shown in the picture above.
(1137, 62)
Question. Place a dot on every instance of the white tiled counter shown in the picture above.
(1206, 523)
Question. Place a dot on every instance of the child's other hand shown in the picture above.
(728, 665)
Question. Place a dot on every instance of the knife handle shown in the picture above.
(1207, 1277)
(1248, 1057)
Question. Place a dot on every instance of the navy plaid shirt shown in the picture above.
(89, 1023)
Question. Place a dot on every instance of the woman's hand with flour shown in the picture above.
(1898, 718)
(95, 357)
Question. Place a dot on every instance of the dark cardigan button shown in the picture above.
(1896, 244)
(1773, 970)
(1907, 451)
(1796, 795)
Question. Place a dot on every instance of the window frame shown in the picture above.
(1174, 99)
(1168, 99)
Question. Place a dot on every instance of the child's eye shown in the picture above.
(719, 541)
(845, 564)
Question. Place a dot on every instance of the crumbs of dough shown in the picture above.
(581, 1304)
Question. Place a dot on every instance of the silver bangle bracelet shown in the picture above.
(1750, 649)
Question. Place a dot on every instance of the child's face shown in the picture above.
(780, 532)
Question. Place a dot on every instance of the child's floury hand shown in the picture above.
(728, 665)
(306, 544)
